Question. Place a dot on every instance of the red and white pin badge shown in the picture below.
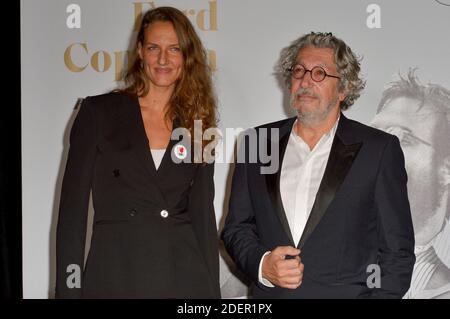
(180, 152)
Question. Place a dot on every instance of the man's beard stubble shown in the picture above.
(315, 117)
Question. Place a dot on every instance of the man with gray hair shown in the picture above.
(334, 221)
(420, 117)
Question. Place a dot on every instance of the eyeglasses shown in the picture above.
(318, 74)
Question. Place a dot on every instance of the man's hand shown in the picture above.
(282, 272)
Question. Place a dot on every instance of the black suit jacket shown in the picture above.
(361, 216)
(136, 250)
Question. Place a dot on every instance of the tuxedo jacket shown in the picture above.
(360, 218)
(154, 233)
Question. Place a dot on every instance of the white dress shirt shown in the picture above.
(301, 173)
(428, 258)
(157, 157)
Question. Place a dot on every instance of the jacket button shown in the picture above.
(133, 212)
(164, 213)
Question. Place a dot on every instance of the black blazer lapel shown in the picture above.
(140, 144)
(167, 163)
(339, 163)
(273, 180)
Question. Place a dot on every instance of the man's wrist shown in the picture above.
(261, 279)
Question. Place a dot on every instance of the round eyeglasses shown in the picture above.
(318, 74)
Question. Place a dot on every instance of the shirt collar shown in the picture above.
(440, 244)
(327, 136)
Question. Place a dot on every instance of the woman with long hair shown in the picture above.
(154, 233)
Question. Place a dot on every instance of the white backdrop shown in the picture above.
(246, 36)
